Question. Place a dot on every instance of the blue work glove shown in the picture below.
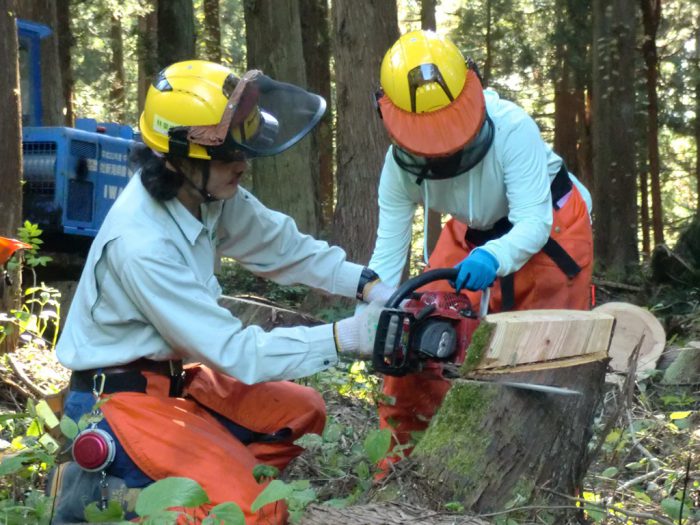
(477, 271)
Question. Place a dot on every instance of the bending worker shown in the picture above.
(147, 299)
(520, 222)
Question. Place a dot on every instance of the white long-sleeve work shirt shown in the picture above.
(512, 180)
(148, 288)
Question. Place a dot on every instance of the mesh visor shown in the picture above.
(263, 117)
(437, 168)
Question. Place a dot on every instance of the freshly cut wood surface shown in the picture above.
(540, 336)
(631, 323)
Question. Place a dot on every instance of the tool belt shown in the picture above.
(561, 185)
(128, 377)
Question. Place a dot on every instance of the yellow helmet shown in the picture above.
(431, 101)
(191, 93)
(202, 110)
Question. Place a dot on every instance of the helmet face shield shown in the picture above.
(263, 117)
(446, 167)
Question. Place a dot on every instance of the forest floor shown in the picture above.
(646, 446)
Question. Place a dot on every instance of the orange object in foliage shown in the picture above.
(179, 436)
(8, 247)
(538, 284)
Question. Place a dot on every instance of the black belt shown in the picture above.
(129, 377)
(561, 185)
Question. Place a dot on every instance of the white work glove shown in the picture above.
(356, 334)
(378, 291)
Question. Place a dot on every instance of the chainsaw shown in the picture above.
(416, 328)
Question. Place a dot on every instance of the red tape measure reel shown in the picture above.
(93, 449)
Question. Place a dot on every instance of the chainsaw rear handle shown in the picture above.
(410, 286)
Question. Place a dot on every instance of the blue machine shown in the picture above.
(72, 175)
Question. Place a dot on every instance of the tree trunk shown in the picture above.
(488, 63)
(644, 213)
(65, 48)
(44, 12)
(585, 157)
(565, 113)
(315, 35)
(615, 214)
(10, 149)
(651, 15)
(117, 93)
(697, 111)
(285, 182)
(434, 226)
(364, 31)
(427, 15)
(212, 31)
(147, 50)
(176, 37)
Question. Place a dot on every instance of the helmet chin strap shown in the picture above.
(206, 196)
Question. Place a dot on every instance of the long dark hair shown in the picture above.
(161, 182)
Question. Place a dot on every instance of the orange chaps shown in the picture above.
(412, 400)
(177, 436)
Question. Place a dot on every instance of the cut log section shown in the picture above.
(631, 324)
(540, 339)
(251, 310)
(491, 446)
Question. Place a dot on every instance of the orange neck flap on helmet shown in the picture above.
(441, 132)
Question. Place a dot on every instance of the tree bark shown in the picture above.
(644, 213)
(176, 36)
(10, 149)
(147, 50)
(65, 48)
(364, 31)
(697, 110)
(491, 446)
(615, 196)
(44, 12)
(117, 93)
(212, 30)
(488, 63)
(315, 35)
(285, 182)
(434, 226)
(651, 16)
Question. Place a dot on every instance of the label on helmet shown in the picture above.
(162, 125)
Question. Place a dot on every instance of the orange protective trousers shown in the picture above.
(177, 436)
(410, 401)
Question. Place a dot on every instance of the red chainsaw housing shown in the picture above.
(452, 306)
(398, 353)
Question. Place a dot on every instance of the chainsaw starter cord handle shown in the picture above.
(410, 286)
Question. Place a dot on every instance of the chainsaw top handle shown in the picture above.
(410, 286)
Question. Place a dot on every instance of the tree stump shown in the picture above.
(492, 446)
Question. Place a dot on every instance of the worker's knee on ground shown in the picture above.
(316, 411)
